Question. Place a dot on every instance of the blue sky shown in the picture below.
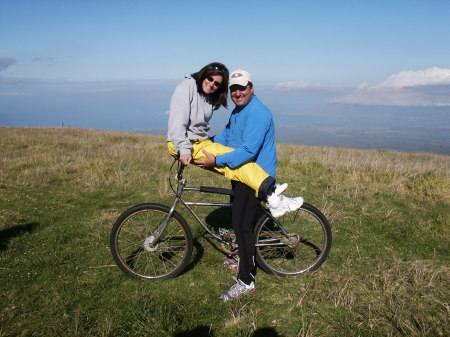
(103, 64)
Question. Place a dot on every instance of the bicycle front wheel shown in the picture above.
(296, 243)
(131, 242)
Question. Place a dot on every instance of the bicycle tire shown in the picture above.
(304, 249)
(130, 248)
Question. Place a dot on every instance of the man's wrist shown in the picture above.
(217, 161)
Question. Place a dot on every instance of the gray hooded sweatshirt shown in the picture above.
(189, 116)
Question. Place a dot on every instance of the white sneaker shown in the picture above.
(279, 189)
(279, 204)
(294, 203)
(237, 290)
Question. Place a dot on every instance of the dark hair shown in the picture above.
(220, 96)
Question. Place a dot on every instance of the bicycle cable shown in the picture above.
(170, 173)
(179, 175)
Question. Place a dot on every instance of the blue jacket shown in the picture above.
(251, 132)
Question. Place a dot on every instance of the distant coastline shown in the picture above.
(384, 139)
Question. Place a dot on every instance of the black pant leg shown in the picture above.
(244, 210)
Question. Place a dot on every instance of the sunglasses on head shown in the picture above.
(220, 68)
(217, 84)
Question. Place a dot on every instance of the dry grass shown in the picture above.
(85, 158)
(372, 160)
(61, 190)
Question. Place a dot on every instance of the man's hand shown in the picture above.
(186, 159)
(209, 161)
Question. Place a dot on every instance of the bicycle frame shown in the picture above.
(152, 240)
(181, 187)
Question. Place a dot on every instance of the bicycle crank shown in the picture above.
(228, 244)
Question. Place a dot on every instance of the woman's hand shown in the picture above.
(186, 159)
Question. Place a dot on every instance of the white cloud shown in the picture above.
(404, 79)
(430, 87)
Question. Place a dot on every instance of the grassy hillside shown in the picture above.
(61, 190)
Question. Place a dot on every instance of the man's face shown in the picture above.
(241, 95)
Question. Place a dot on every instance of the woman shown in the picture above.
(191, 108)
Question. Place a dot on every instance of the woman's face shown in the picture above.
(211, 84)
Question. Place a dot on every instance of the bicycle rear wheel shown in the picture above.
(301, 244)
(131, 237)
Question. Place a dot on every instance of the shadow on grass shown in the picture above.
(219, 218)
(266, 332)
(201, 331)
(12, 232)
(196, 256)
(205, 331)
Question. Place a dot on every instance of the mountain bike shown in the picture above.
(153, 241)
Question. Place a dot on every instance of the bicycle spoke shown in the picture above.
(300, 245)
(136, 252)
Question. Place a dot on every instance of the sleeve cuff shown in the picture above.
(219, 161)
(185, 152)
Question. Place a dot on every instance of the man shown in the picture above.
(251, 132)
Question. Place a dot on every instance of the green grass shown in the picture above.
(61, 190)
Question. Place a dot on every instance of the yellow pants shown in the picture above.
(250, 174)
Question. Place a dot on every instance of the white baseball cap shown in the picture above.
(239, 77)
